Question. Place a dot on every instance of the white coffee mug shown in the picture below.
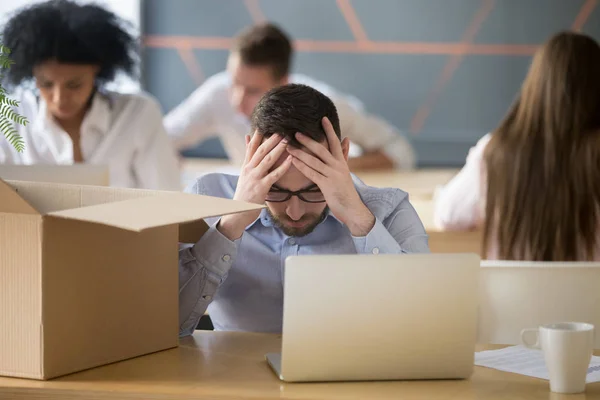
(568, 348)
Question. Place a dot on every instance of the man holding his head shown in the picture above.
(260, 60)
(295, 163)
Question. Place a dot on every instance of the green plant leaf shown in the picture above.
(8, 115)
(5, 61)
(7, 100)
(12, 135)
(7, 112)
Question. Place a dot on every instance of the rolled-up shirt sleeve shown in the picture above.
(193, 120)
(202, 268)
(401, 232)
(373, 133)
(378, 240)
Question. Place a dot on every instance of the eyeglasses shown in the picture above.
(311, 194)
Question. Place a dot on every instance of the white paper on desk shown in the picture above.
(524, 361)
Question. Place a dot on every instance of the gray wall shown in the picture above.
(411, 73)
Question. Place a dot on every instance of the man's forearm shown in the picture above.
(202, 269)
(362, 222)
(378, 241)
(233, 226)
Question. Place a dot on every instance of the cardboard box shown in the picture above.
(88, 275)
(77, 174)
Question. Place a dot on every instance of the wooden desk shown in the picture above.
(420, 183)
(445, 241)
(455, 242)
(220, 365)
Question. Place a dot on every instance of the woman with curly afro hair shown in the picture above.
(65, 53)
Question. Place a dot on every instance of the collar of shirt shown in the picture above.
(98, 116)
(95, 125)
(96, 119)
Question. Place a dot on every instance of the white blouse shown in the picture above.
(459, 204)
(123, 131)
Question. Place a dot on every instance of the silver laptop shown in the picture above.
(378, 317)
(515, 295)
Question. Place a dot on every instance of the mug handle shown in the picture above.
(527, 344)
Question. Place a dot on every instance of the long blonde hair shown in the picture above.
(543, 161)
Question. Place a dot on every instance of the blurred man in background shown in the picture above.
(260, 59)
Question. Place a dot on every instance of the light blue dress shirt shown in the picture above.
(241, 282)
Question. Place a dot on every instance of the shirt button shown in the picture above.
(292, 241)
(375, 250)
(226, 257)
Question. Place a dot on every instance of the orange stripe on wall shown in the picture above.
(352, 20)
(209, 43)
(503, 49)
(584, 14)
(255, 11)
(482, 13)
(450, 68)
(224, 43)
(191, 64)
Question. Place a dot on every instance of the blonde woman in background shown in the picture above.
(534, 184)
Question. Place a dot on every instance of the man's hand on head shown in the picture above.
(256, 178)
(328, 169)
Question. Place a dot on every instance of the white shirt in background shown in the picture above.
(207, 113)
(459, 205)
(123, 131)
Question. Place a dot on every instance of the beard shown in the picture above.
(311, 220)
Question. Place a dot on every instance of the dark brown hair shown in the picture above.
(294, 108)
(265, 45)
(543, 161)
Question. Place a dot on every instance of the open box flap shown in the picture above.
(150, 212)
(12, 202)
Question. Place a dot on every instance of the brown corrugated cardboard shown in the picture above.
(76, 174)
(88, 275)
